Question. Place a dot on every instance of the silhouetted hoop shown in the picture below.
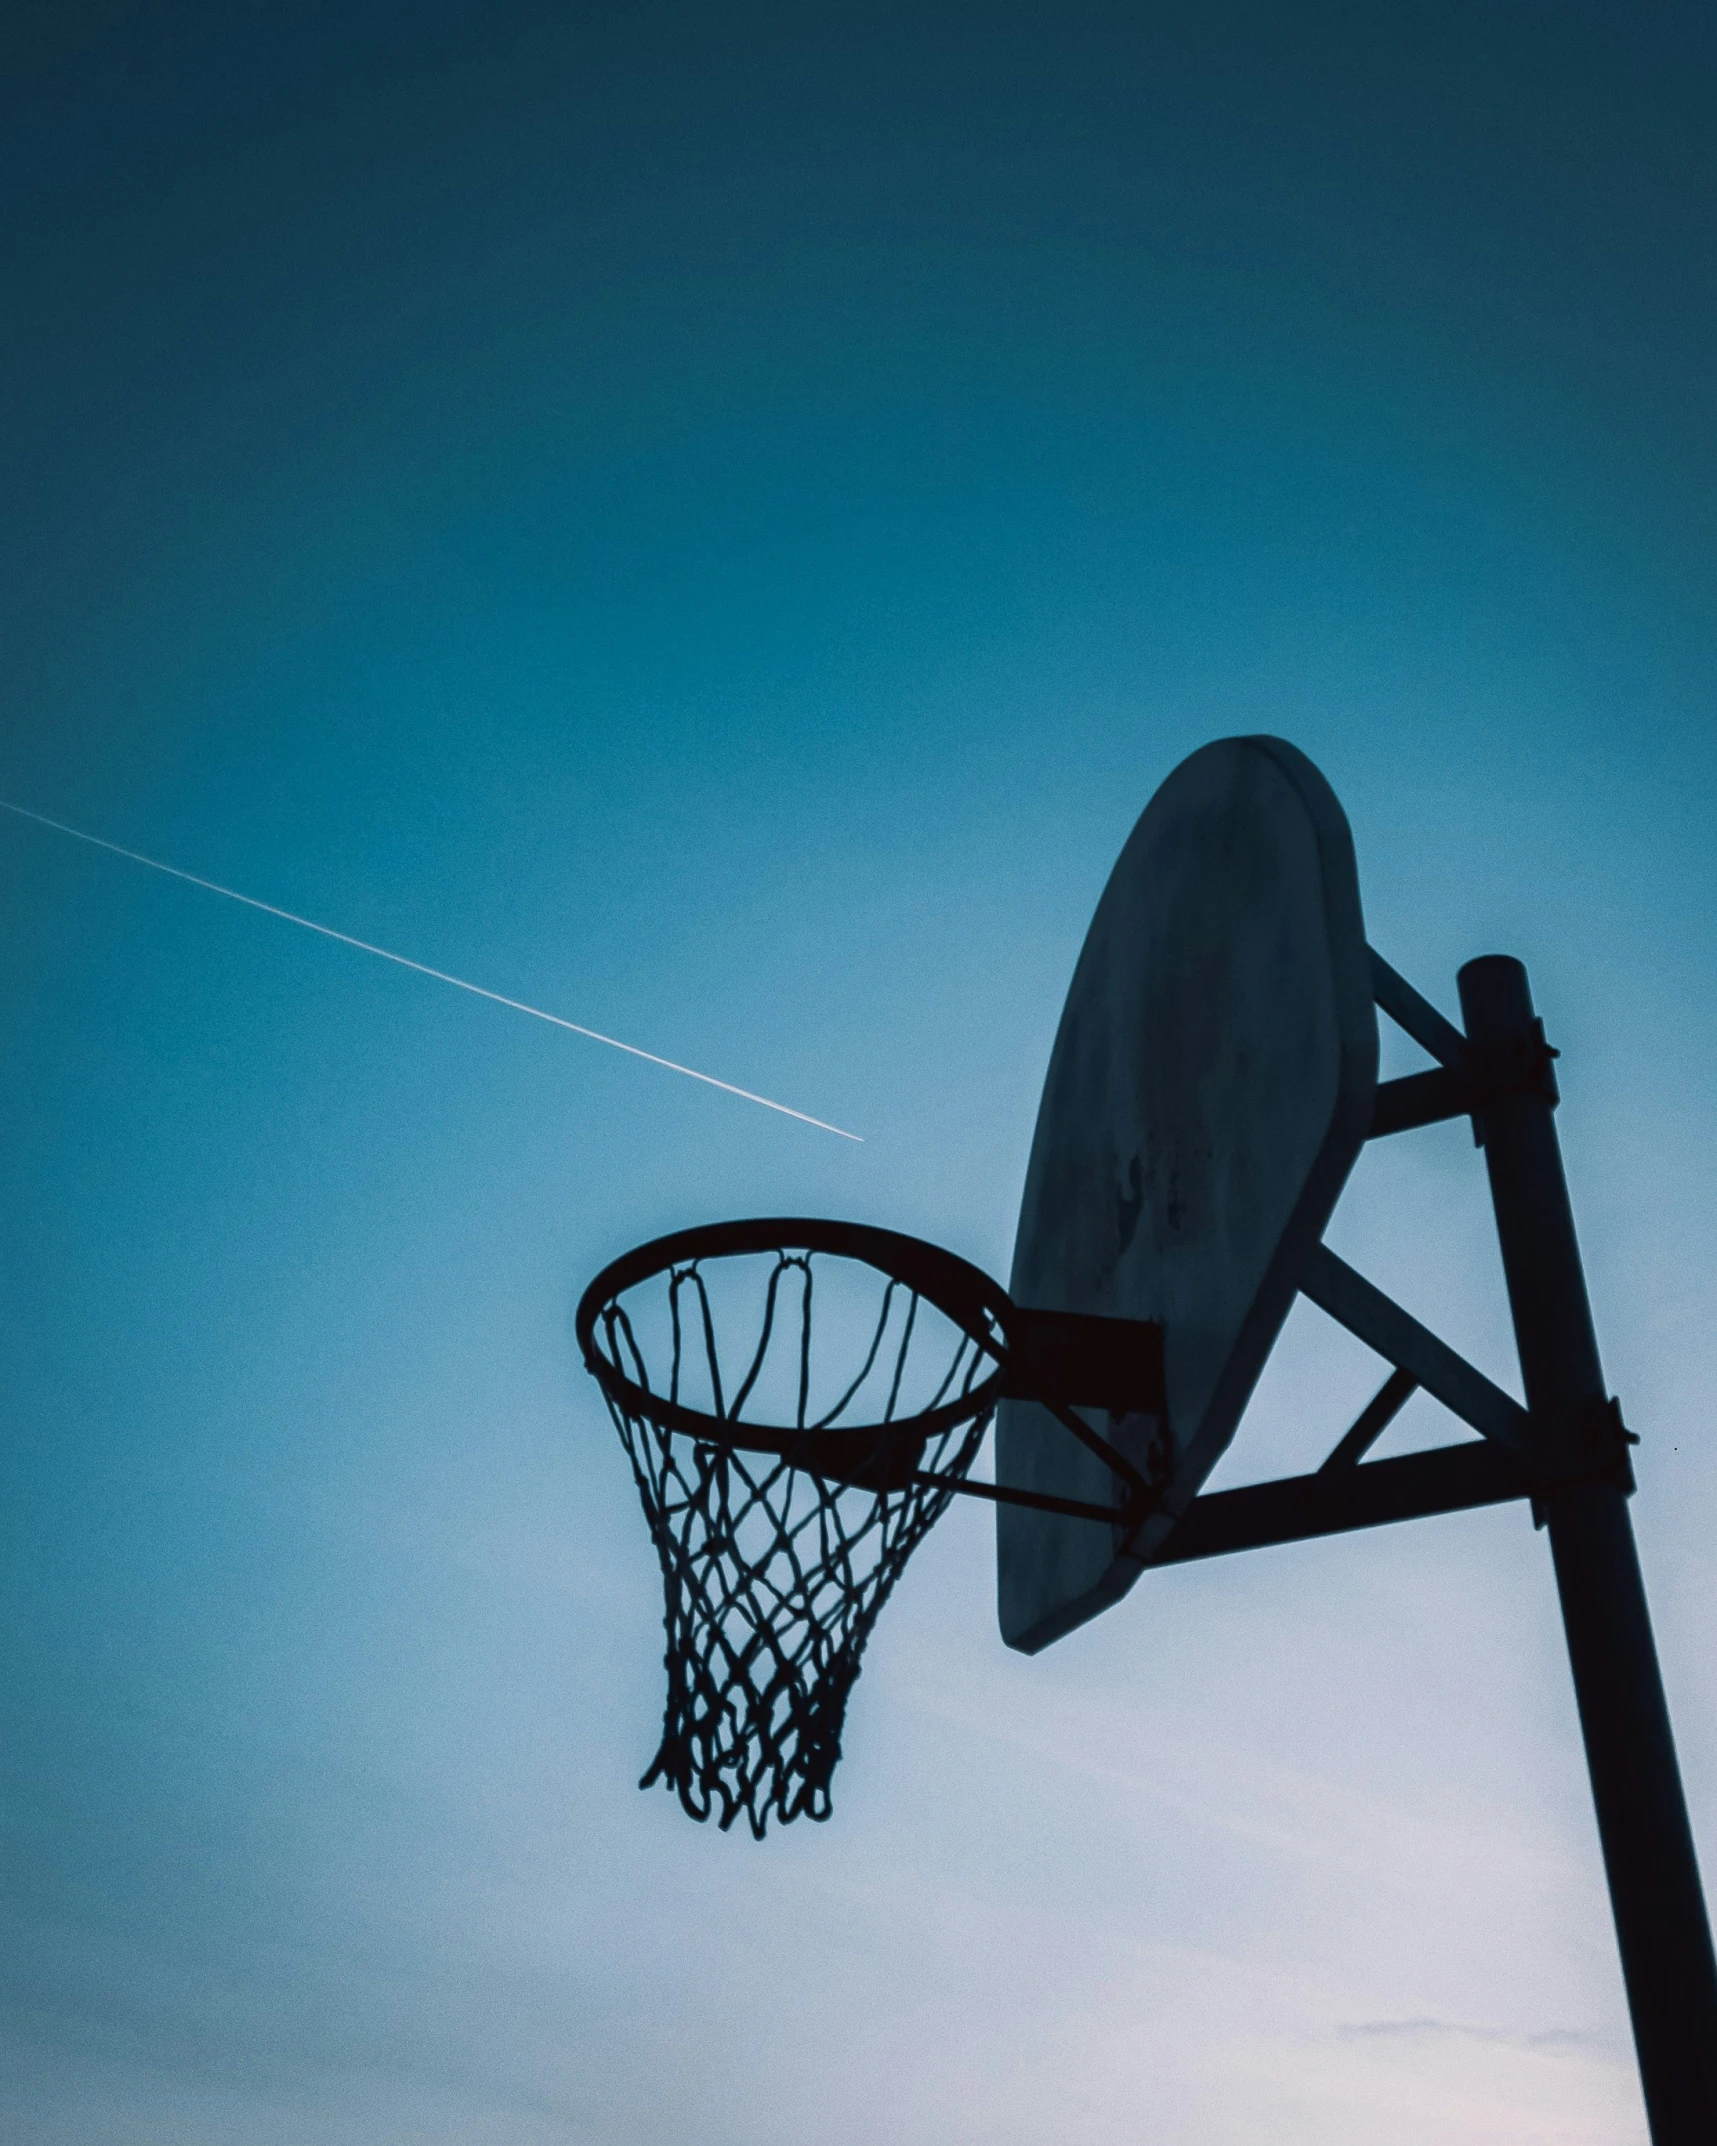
(876, 1453)
(780, 1526)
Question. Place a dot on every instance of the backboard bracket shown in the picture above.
(1086, 1361)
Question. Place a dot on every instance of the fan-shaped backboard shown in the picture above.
(1210, 1088)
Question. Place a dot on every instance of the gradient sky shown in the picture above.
(714, 521)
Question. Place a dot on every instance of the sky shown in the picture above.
(713, 522)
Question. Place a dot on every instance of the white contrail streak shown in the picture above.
(423, 969)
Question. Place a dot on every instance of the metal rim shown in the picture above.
(964, 1294)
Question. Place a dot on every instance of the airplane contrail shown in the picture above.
(422, 968)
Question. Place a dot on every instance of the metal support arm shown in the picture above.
(1402, 1106)
(1451, 1479)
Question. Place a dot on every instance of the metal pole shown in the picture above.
(1661, 1925)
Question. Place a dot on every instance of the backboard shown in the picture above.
(1209, 1090)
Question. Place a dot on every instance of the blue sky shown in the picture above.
(714, 523)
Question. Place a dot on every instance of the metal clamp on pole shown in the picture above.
(1522, 1064)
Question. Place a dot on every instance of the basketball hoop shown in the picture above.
(788, 1474)
(1212, 1084)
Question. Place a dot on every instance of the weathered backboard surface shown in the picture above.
(1209, 1090)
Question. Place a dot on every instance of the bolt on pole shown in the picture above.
(1661, 1925)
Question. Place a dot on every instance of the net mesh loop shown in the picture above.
(773, 1570)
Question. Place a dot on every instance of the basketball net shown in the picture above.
(773, 1577)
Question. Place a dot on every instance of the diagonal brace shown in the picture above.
(1414, 1013)
(1373, 1420)
(1398, 1338)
